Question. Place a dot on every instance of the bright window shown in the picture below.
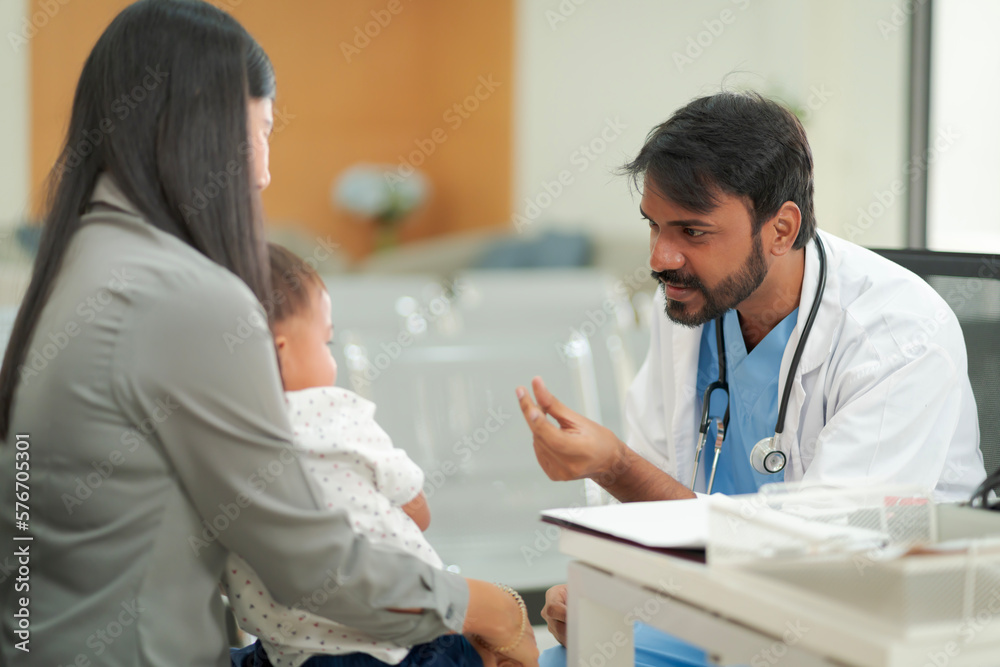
(964, 146)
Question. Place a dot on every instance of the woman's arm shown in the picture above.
(497, 617)
(499, 620)
(198, 369)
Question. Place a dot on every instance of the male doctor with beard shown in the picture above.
(838, 366)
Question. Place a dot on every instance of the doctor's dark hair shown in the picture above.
(161, 105)
(293, 282)
(739, 144)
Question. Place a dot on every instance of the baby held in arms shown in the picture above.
(357, 470)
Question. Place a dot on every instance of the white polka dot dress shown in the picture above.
(358, 472)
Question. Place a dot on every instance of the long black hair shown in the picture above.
(161, 105)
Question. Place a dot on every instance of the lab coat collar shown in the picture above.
(820, 340)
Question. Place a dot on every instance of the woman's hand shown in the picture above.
(491, 658)
(496, 617)
(525, 653)
(488, 657)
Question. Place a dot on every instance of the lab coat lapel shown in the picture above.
(817, 349)
(686, 347)
(819, 343)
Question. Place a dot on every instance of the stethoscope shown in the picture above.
(765, 457)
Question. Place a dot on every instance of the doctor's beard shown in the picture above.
(732, 291)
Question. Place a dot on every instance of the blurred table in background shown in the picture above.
(441, 360)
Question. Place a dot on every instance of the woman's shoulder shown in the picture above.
(157, 274)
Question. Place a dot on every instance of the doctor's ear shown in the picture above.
(783, 229)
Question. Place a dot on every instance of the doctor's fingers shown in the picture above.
(554, 466)
(557, 452)
(528, 408)
(539, 425)
(552, 405)
(564, 454)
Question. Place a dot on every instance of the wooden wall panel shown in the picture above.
(344, 97)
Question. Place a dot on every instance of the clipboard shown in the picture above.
(674, 527)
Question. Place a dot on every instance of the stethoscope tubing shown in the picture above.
(806, 330)
(786, 393)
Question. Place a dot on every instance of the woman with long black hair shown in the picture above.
(140, 401)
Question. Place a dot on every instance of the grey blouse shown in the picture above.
(157, 438)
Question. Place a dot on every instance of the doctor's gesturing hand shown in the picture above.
(579, 448)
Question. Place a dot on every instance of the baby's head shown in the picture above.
(300, 322)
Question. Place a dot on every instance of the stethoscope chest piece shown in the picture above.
(766, 458)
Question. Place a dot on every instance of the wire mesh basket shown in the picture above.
(787, 522)
(921, 589)
(874, 551)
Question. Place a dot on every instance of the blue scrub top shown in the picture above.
(753, 412)
(753, 401)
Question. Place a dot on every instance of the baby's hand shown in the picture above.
(418, 510)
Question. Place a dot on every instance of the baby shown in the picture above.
(357, 469)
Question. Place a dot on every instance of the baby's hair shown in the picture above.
(291, 279)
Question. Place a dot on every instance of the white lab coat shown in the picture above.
(881, 394)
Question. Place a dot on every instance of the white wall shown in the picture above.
(15, 127)
(621, 60)
(580, 66)
(14, 115)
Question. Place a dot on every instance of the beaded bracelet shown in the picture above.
(524, 622)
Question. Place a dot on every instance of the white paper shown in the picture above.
(665, 524)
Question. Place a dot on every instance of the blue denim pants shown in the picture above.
(445, 651)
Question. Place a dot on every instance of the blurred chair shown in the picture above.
(582, 312)
(547, 250)
(441, 255)
(970, 284)
(442, 365)
(376, 302)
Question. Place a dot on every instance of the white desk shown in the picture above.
(739, 617)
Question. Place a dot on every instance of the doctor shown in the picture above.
(878, 389)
